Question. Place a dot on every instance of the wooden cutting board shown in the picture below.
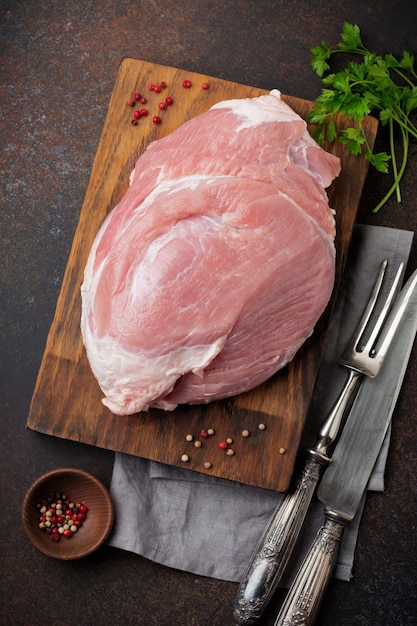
(66, 401)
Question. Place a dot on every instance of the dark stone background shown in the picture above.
(59, 62)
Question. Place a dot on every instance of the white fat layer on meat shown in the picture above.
(160, 242)
(119, 369)
(164, 187)
(261, 110)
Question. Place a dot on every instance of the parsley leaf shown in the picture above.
(381, 85)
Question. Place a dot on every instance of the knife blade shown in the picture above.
(345, 480)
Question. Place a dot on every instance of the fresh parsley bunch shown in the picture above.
(380, 85)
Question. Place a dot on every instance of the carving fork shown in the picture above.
(276, 545)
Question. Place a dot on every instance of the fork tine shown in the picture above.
(370, 344)
(360, 329)
(395, 317)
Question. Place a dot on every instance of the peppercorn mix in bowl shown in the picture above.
(67, 513)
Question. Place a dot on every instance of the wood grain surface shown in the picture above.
(66, 401)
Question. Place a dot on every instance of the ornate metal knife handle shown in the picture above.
(275, 548)
(305, 595)
(277, 543)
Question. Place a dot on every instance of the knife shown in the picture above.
(344, 482)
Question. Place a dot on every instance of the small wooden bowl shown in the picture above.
(79, 486)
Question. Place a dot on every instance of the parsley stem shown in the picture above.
(406, 124)
(404, 77)
(399, 175)
(394, 158)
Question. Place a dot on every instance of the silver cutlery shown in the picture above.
(345, 480)
(276, 545)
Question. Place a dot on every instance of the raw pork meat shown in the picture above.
(215, 266)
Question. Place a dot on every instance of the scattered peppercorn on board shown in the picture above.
(262, 427)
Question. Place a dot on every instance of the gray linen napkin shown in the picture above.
(210, 526)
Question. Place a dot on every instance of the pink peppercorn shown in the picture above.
(205, 85)
(223, 445)
(186, 84)
(169, 100)
(156, 119)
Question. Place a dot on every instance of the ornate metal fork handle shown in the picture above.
(277, 543)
